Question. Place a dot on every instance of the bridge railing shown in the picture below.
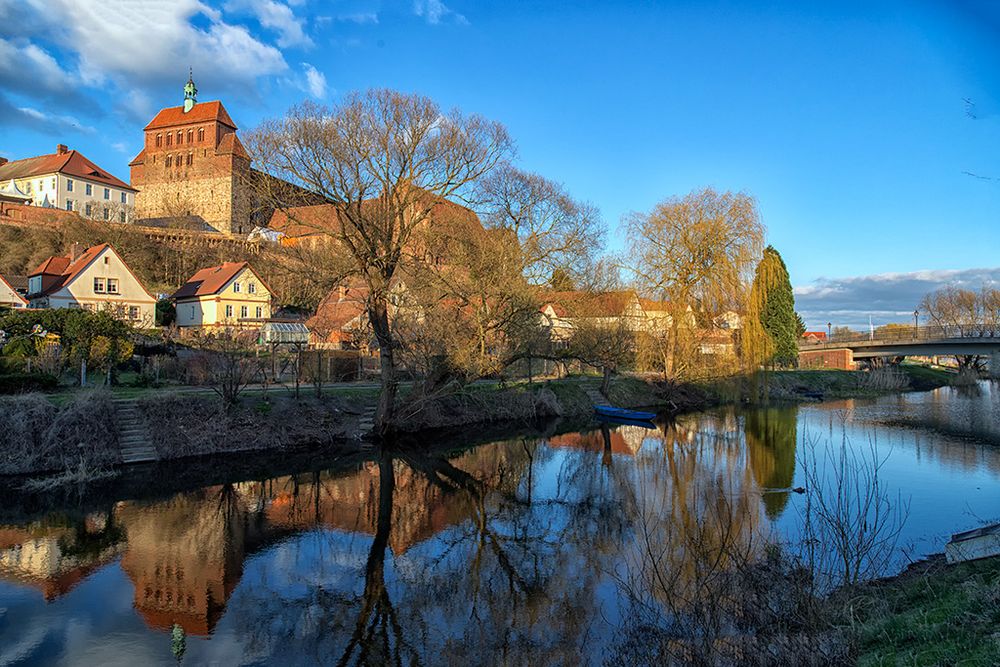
(901, 333)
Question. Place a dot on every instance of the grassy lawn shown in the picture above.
(947, 615)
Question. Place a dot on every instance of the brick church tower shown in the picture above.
(193, 168)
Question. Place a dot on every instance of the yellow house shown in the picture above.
(93, 279)
(222, 295)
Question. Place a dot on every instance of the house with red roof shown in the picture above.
(67, 180)
(93, 279)
(227, 294)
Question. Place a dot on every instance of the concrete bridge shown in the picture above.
(844, 349)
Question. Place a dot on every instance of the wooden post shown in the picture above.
(298, 367)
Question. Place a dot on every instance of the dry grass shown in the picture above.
(37, 436)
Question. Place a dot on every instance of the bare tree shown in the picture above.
(229, 363)
(558, 236)
(383, 160)
(697, 251)
(962, 312)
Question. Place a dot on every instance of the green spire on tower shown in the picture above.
(190, 92)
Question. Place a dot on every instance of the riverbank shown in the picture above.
(931, 614)
(80, 434)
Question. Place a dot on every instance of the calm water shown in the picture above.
(511, 552)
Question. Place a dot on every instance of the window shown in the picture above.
(252, 288)
(34, 284)
(107, 214)
(229, 310)
(27, 187)
(260, 312)
(201, 134)
(69, 185)
(69, 204)
(53, 184)
(243, 311)
(99, 286)
(133, 312)
(124, 198)
(180, 137)
(159, 140)
(189, 158)
(190, 136)
(236, 287)
(87, 210)
(89, 189)
(170, 160)
(170, 139)
(121, 216)
(192, 313)
(113, 286)
(107, 193)
(106, 260)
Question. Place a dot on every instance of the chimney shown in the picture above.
(61, 149)
(75, 250)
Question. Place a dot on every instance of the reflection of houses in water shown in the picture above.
(55, 558)
(185, 556)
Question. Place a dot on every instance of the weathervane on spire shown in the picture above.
(190, 92)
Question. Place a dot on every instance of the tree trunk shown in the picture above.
(606, 382)
(378, 316)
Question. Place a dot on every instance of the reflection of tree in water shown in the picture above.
(771, 434)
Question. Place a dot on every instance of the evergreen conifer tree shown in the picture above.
(775, 308)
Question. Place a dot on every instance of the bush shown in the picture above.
(36, 436)
(19, 383)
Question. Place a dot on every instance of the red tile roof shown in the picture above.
(64, 269)
(231, 144)
(70, 163)
(588, 304)
(212, 280)
(200, 113)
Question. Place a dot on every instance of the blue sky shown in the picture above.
(869, 132)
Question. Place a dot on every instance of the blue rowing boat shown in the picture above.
(622, 413)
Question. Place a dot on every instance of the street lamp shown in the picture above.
(829, 331)
(916, 327)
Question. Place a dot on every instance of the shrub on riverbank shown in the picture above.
(36, 435)
(194, 425)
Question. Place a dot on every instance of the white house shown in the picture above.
(68, 180)
(93, 279)
(9, 297)
(222, 295)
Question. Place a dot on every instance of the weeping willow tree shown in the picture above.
(770, 333)
(697, 253)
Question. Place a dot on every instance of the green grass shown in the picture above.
(949, 615)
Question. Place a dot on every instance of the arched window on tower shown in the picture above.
(170, 160)
(190, 136)
(159, 139)
(170, 139)
(180, 137)
(201, 134)
(190, 157)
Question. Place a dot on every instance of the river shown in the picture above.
(519, 551)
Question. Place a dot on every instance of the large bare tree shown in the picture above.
(963, 312)
(558, 235)
(697, 252)
(382, 160)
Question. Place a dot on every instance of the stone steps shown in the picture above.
(133, 434)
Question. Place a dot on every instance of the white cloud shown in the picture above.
(434, 11)
(156, 40)
(54, 121)
(887, 297)
(27, 67)
(275, 16)
(315, 81)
